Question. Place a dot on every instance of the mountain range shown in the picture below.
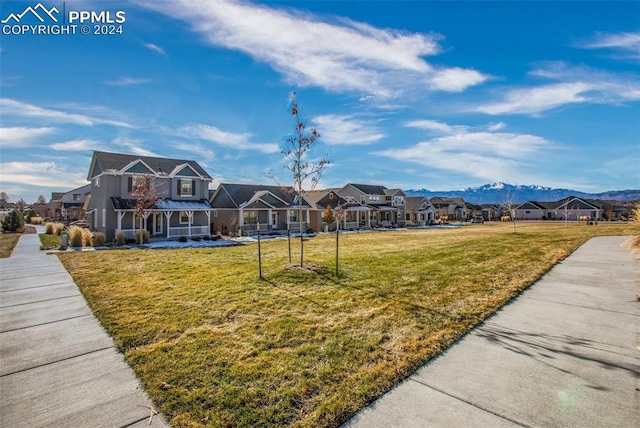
(498, 193)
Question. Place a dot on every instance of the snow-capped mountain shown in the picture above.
(497, 193)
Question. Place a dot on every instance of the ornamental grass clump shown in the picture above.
(87, 237)
(36, 220)
(145, 237)
(76, 236)
(98, 239)
(120, 239)
(53, 228)
(634, 229)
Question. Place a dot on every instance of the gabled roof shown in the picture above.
(229, 195)
(417, 203)
(531, 205)
(368, 189)
(104, 161)
(321, 199)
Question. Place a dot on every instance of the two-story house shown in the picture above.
(182, 186)
(385, 206)
(419, 211)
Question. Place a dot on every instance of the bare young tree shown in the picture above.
(305, 172)
(146, 193)
(510, 205)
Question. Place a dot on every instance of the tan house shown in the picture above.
(384, 207)
(419, 211)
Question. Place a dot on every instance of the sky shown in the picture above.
(406, 94)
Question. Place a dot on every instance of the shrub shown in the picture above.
(145, 236)
(36, 220)
(120, 239)
(206, 238)
(76, 236)
(196, 238)
(98, 239)
(182, 239)
(13, 221)
(54, 228)
(87, 237)
(30, 214)
(634, 229)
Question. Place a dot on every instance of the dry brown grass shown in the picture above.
(215, 346)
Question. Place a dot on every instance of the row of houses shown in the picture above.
(188, 208)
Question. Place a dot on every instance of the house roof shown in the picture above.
(230, 195)
(104, 161)
(414, 203)
(369, 189)
(165, 204)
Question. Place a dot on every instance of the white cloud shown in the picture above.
(40, 174)
(227, 139)
(337, 129)
(435, 126)
(574, 85)
(496, 126)
(155, 48)
(22, 137)
(626, 43)
(76, 145)
(127, 81)
(538, 99)
(196, 149)
(481, 154)
(337, 54)
(133, 146)
(17, 108)
(455, 79)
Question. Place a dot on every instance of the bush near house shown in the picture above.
(76, 236)
(142, 235)
(98, 239)
(120, 239)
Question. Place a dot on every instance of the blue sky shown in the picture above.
(415, 94)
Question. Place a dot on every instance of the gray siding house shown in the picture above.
(385, 206)
(182, 185)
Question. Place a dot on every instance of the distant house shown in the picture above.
(451, 208)
(239, 208)
(419, 211)
(385, 207)
(570, 208)
(182, 185)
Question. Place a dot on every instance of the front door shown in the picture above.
(274, 220)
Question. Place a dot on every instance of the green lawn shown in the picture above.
(215, 346)
(49, 241)
(7, 243)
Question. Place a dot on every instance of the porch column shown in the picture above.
(190, 217)
(240, 218)
(288, 218)
(308, 221)
(208, 213)
(270, 222)
(120, 216)
(168, 215)
(344, 221)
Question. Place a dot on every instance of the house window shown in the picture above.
(215, 213)
(184, 217)
(293, 216)
(97, 182)
(330, 195)
(374, 198)
(135, 181)
(186, 187)
(363, 199)
(250, 217)
(76, 197)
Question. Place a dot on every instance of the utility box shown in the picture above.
(64, 240)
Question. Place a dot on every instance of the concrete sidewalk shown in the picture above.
(565, 353)
(58, 367)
